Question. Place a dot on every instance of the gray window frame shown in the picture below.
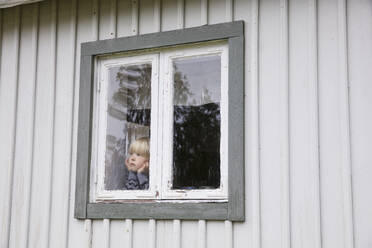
(233, 209)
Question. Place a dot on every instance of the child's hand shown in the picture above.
(144, 169)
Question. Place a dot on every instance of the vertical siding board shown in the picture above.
(146, 16)
(359, 34)
(254, 134)
(39, 222)
(331, 203)
(74, 22)
(284, 125)
(176, 234)
(88, 228)
(152, 234)
(345, 126)
(60, 187)
(43, 104)
(123, 18)
(164, 235)
(25, 127)
(249, 231)
(193, 13)
(129, 233)
(157, 16)
(106, 231)
(140, 234)
(202, 234)
(95, 19)
(180, 13)
(313, 215)
(273, 95)
(8, 109)
(107, 19)
(229, 10)
(80, 232)
(134, 14)
(335, 168)
(204, 12)
(118, 233)
(228, 235)
(99, 229)
(216, 234)
(304, 176)
(170, 10)
(189, 234)
(217, 11)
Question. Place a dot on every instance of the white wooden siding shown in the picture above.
(308, 122)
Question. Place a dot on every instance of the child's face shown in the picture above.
(136, 161)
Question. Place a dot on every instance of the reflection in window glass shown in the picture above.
(128, 121)
(196, 136)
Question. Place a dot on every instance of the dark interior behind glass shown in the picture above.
(196, 122)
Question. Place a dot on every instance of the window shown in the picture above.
(132, 104)
(125, 110)
(161, 126)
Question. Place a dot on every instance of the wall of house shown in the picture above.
(308, 122)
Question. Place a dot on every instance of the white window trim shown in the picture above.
(98, 192)
(161, 96)
(166, 59)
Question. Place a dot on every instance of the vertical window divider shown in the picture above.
(162, 85)
(154, 124)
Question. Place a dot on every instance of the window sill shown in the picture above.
(160, 210)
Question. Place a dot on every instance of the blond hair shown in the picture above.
(141, 146)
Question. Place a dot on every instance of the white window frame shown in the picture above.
(161, 140)
(166, 76)
(98, 193)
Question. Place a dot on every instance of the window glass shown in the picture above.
(128, 127)
(196, 122)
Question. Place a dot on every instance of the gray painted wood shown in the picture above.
(236, 129)
(84, 137)
(162, 39)
(192, 211)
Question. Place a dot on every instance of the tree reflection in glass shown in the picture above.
(128, 118)
(197, 121)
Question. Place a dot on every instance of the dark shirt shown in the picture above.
(137, 181)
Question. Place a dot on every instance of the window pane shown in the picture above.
(196, 136)
(128, 121)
